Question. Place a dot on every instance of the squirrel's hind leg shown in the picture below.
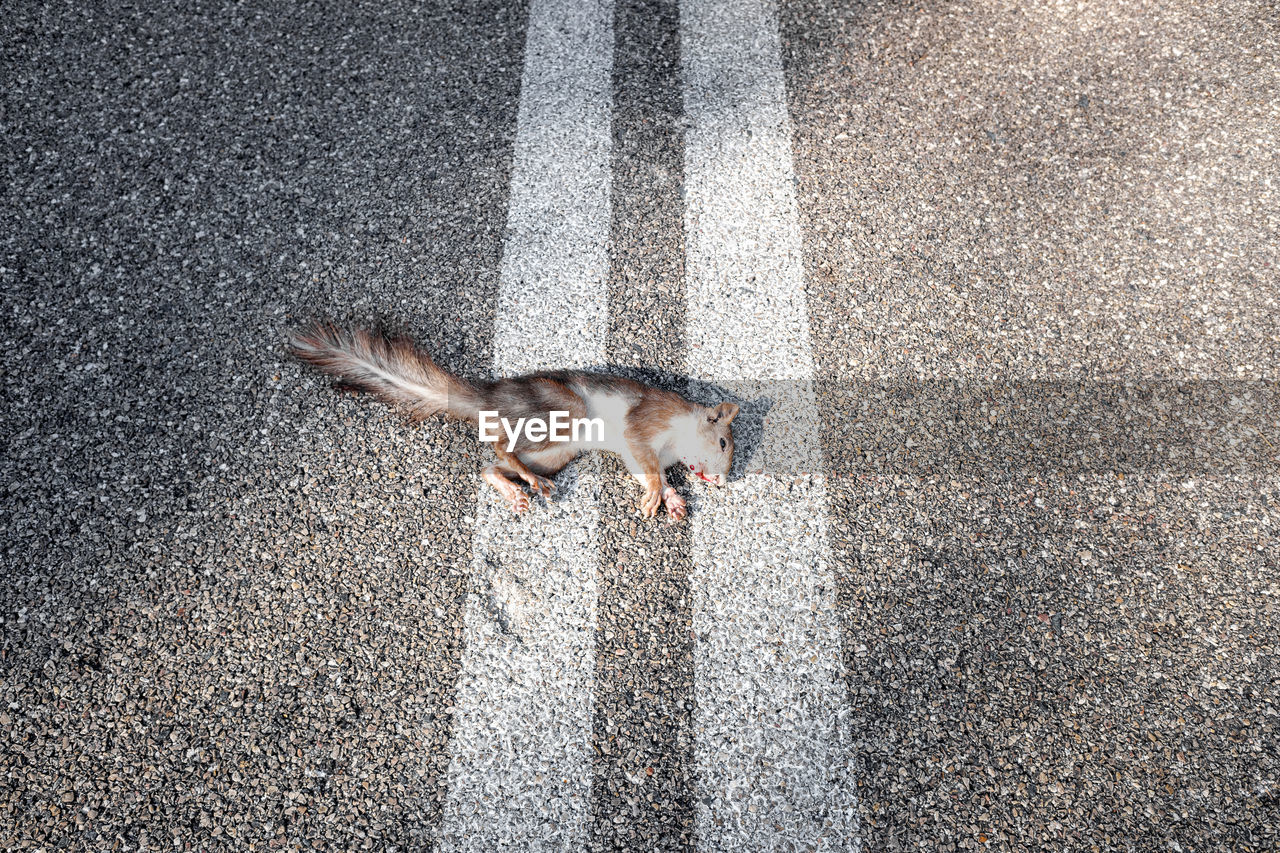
(531, 466)
(536, 466)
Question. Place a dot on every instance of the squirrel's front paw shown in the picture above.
(676, 506)
(650, 502)
(542, 485)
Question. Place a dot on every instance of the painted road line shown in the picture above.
(520, 776)
(772, 743)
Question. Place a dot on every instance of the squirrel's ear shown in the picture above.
(725, 412)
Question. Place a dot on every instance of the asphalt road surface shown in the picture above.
(995, 286)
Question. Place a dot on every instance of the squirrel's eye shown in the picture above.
(722, 444)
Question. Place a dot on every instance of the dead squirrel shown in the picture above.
(651, 429)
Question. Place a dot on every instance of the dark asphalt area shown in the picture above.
(231, 599)
(232, 602)
(1048, 651)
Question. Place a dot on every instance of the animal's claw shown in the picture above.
(542, 485)
(650, 502)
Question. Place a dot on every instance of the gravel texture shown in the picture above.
(233, 603)
(643, 772)
(1039, 191)
(1047, 233)
(232, 600)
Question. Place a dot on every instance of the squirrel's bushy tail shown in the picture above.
(392, 369)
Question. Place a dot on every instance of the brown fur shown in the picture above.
(392, 369)
(399, 373)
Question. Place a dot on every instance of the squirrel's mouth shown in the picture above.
(697, 472)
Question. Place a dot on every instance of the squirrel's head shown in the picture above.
(714, 448)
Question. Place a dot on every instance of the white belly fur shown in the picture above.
(612, 410)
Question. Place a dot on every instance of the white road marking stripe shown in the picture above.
(772, 740)
(520, 776)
